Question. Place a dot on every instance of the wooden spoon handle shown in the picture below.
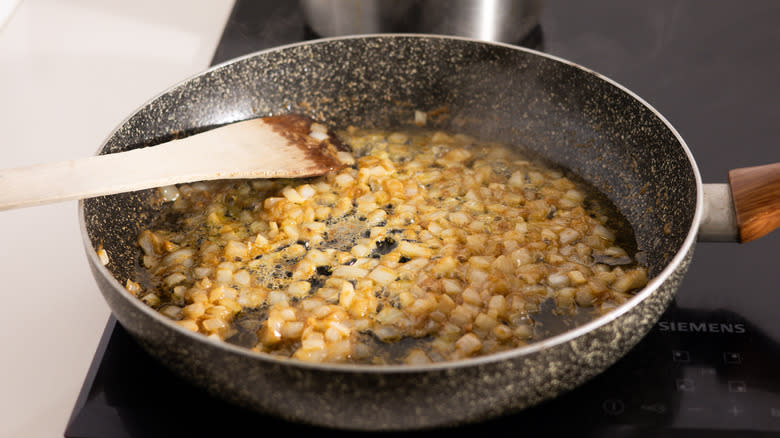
(756, 195)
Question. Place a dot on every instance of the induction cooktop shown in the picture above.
(710, 367)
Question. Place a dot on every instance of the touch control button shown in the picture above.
(686, 385)
(732, 358)
(681, 356)
(737, 386)
(658, 408)
(613, 406)
(735, 411)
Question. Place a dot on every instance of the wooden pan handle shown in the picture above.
(756, 194)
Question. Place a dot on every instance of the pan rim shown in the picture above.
(671, 267)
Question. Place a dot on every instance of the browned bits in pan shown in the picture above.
(427, 247)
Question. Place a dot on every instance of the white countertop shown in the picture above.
(70, 71)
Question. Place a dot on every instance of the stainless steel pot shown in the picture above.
(554, 108)
(490, 20)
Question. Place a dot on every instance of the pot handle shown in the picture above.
(743, 210)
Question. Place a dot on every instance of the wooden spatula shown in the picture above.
(285, 146)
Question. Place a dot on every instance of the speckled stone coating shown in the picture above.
(557, 110)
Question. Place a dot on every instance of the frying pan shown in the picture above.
(553, 108)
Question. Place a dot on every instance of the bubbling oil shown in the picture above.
(429, 247)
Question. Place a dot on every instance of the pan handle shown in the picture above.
(743, 210)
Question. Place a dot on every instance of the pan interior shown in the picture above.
(551, 109)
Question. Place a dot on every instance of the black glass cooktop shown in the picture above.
(711, 366)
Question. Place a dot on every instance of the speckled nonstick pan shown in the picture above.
(561, 111)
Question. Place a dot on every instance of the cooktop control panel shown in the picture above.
(697, 374)
(695, 370)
